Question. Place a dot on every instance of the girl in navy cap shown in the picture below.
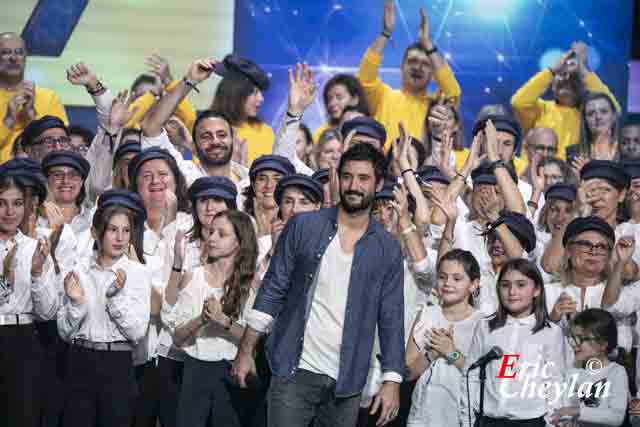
(27, 293)
(209, 320)
(105, 314)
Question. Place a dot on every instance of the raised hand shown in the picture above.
(171, 207)
(401, 149)
(424, 35)
(240, 150)
(160, 67)
(445, 202)
(625, 248)
(121, 113)
(54, 215)
(302, 89)
(538, 180)
(400, 201)
(578, 163)
(9, 264)
(39, 257)
(121, 279)
(28, 109)
(389, 22)
(178, 249)
(490, 205)
(81, 75)
(564, 306)
(73, 289)
(200, 70)
(491, 137)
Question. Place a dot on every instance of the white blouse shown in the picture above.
(601, 404)
(38, 297)
(441, 381)
(122, 317)
(545, 348)
(211, 342)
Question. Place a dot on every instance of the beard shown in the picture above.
(207, 161)
(365, 202)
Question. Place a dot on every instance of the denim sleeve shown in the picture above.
(276, 282)
(391, 315)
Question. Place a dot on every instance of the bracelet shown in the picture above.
(98, 90)
(431, 51)
(293, 116)
(532, 204)
(498, 164)
(459, 175)
(386, 34)
(409, 229)
(407, 170)
(191, 84)
(177, 269)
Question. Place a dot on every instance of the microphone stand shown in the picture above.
(482, 377)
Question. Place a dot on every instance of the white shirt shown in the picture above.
(593, 299)
(122, 317)
(211, 342)
(515, 337)
(605, 409)
(467, 236)
(285, 144)
(440, 382)
(323, 332)
(80, 223)
(189, 169)
(26, 295)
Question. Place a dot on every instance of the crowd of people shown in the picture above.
(188, 269)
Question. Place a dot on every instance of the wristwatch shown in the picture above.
(453, 357)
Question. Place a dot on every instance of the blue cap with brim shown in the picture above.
(607, 170)
(387, 191)
(567, 192)
(28, 173)
(37, 127)
(431, 173)
(589, 223)
(234, 65)
(483, 174)
(125, 198)
(310, 187)
(271, 162)
(519, 226)
(322, 176)
(126, 148)
(212, 186)
(152, 153)
(632, 168)
(366, 126)
(66, 158)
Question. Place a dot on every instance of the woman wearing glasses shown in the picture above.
(588, 242)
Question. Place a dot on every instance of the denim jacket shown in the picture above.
(375, 298)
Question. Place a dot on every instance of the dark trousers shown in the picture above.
(206, 395)
(309, 397)
(159, 386)
(501, 422)
(54, 354)
(20, 370)
(100, 388)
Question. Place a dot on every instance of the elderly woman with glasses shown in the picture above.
(589, 243)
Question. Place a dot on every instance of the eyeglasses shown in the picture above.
(577, 340)
(544, 148)
(70, 175)
(597, 249)
(50, 142)
(17, 52)
(80, 149)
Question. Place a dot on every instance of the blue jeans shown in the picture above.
(309, 397)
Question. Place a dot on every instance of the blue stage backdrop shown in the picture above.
(493, 46)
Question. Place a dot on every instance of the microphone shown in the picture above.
(494, 354)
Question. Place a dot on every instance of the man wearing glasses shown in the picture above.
(43, 136)
(539, 144)
(21, 101)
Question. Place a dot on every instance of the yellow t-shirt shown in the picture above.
(259, 137)
(46, 103)
(318, 132)
(461, 157)
(532, 111)
(390, 106)
(185, 111)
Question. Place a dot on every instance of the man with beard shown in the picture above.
(335, 277)
(213, 135)
(21, 101)
(420, 63)
(569, 79)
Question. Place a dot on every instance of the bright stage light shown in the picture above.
(493, 9)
